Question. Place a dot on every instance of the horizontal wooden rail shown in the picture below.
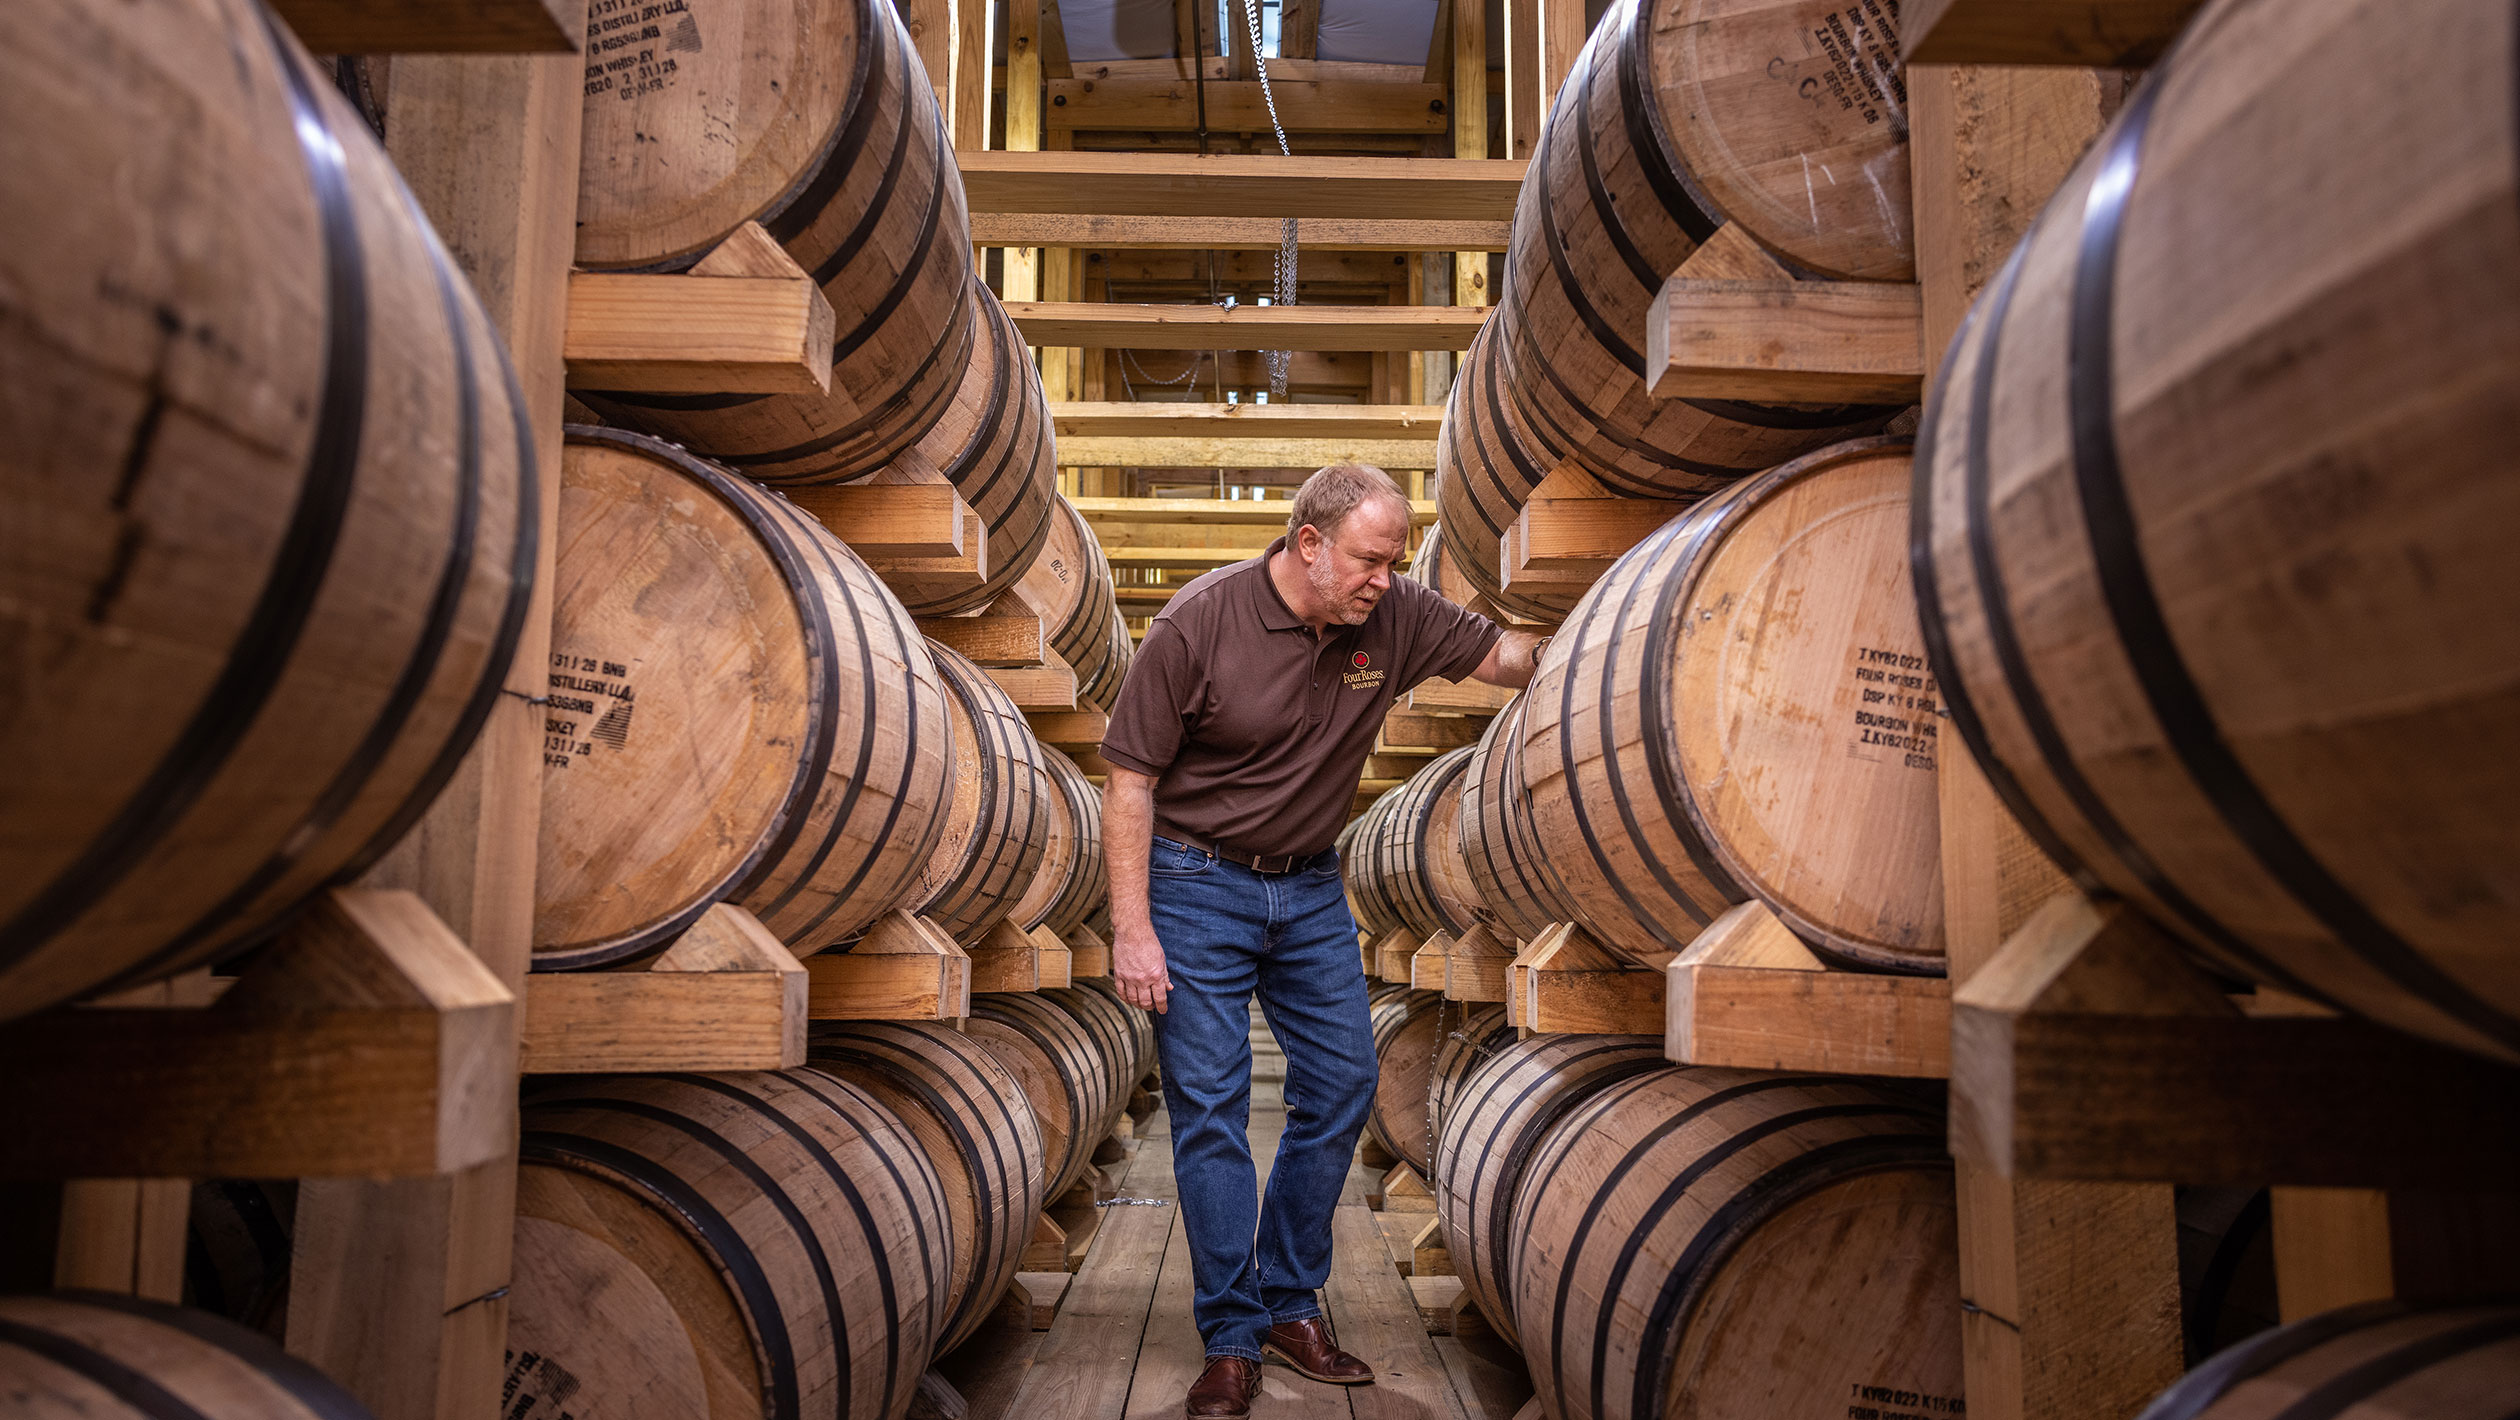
(1150, 420)
(2079, 34)
(1812, 342)
(1097, 326)
(1748, 994)
(725, 996)
(1095, 451)
(1237, 105)
(1180, 185)
(1115, 233)
(745, 320)
(1223, 512)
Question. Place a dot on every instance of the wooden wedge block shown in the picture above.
(905, 969)
(1038, 1294)
(1427, 963)
(1047, 1250)
(1080, 729)
(1476, 966)
(890, 523)
(1468, 696)
(1048, 686)
(1570, 984)
(1747, 993)
(366, 1040)
(1088, 954)
(745, 320)
(1399, 1233)
(1784, 340)
(1393, 954)
(1404, 1191)
(989, 640)
(1435, 1294)
(1008, 959)
(1428, 1255)
(725, 996)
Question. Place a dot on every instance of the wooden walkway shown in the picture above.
(1124, 1347)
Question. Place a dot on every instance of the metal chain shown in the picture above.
(1129, 358)
(1284, 292)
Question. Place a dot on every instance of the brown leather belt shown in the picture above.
(1273, 866)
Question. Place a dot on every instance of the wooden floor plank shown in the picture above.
(1082, 1368)
(1376, 1318)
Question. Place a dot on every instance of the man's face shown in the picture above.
(1351, 569)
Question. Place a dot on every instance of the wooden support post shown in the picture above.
(725, 996)
(1476, 967)
(1747, 993)
(1562, 35)
(1088, 953)
(399, 1290)
(1427, 963)
(364, 1041)
(1393, 954)
(745, 320)
(936, 35)
(1565, 982)
(1022, 281)
(1523, 106)
(969, 115)
(905, 969)
(1470, 131)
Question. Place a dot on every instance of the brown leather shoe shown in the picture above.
(1306, 1346)
(1224, 1390)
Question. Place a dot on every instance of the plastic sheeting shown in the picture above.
(1375, 31)
(1118, 29)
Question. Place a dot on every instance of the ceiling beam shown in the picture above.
(1098, 326)
(1235, 106)
(1103, 513)
(993, 229)
(1181, 185)
(1176, 452)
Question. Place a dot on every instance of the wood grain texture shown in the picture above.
(2079, 34)
(109, 1358)
(1747, 993)
(1095, 325)
(468, 27)
(725, 996)
(1808, 342)
(1180, 185)
(699, 334)
(1110, 233)
(904, 969)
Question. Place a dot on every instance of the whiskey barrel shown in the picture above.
(1373, 915)
(727, 1245)
(1740, 708)
(2375, 1359)
(101, 1357)
(1429, 567)
(271, 508)
(1115, 1030)
(1783, 118)
(1500, 849)
(968, 1114)
(739, 711)
(1485, 469)
(1408, 1027)
(1680, 1232)
(1071, 582)
(814, 119)
(2214, 519)
(1477, 1035)
(994, 445)
(1071, 881)
(1409, 859)
(1506, 1107)
(999, 816)
(1065, 1070)
(1141, 1028)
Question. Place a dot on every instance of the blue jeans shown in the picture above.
(1227, 931)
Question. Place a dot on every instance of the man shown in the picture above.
(1235, 751)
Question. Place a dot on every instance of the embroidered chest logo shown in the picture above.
(1361, 677)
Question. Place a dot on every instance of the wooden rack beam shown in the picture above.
(1116, 233)
(1236, 105)
(1471, 696)
(905, 969)
(1810, 342)
(439, 27)
(1180, 185)
(885, 522)
(1099, 326)
(1244, 452)
(2090, 1049)
(1564, 981)
(2080, 34)
(1144, 420)
(1079, 729)
(991, 640)
(725, 996)
(367, 1040)
(1573, 529)
(1048, 686)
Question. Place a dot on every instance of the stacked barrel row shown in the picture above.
(1686, 139)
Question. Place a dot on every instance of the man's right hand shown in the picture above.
(1137, 966)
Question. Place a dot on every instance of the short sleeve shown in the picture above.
(1152, 717)
(1445, 640)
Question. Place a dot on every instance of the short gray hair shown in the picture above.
(1332, 493)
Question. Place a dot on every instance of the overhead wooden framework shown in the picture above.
(1303, 106)
(2099, 34)
(1173, 185)
(1148, 420)
(1102, 513)
(1112, 232)
(1245, 452)
(1096, 326)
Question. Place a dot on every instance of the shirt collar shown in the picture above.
(1275, 614)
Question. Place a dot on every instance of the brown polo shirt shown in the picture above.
(1255, 729)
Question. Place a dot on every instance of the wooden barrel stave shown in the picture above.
(1141, 1028)
(2376, 1358)
(273, 508)
(968, 1114)
(1675, 1229)
(766, 1240)
(836, 146)
(1405, 858)
(1505, 1108)
(1649, 123)
(1115, 1030)
(1071, 583)
(95, 1356)
(1738, 709)
(1479, 1033)
(1000, 817)
(2220, 652)
(753, 632)
(1084, 885)
(1485, 470)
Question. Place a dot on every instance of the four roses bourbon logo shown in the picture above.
(1361, 677)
